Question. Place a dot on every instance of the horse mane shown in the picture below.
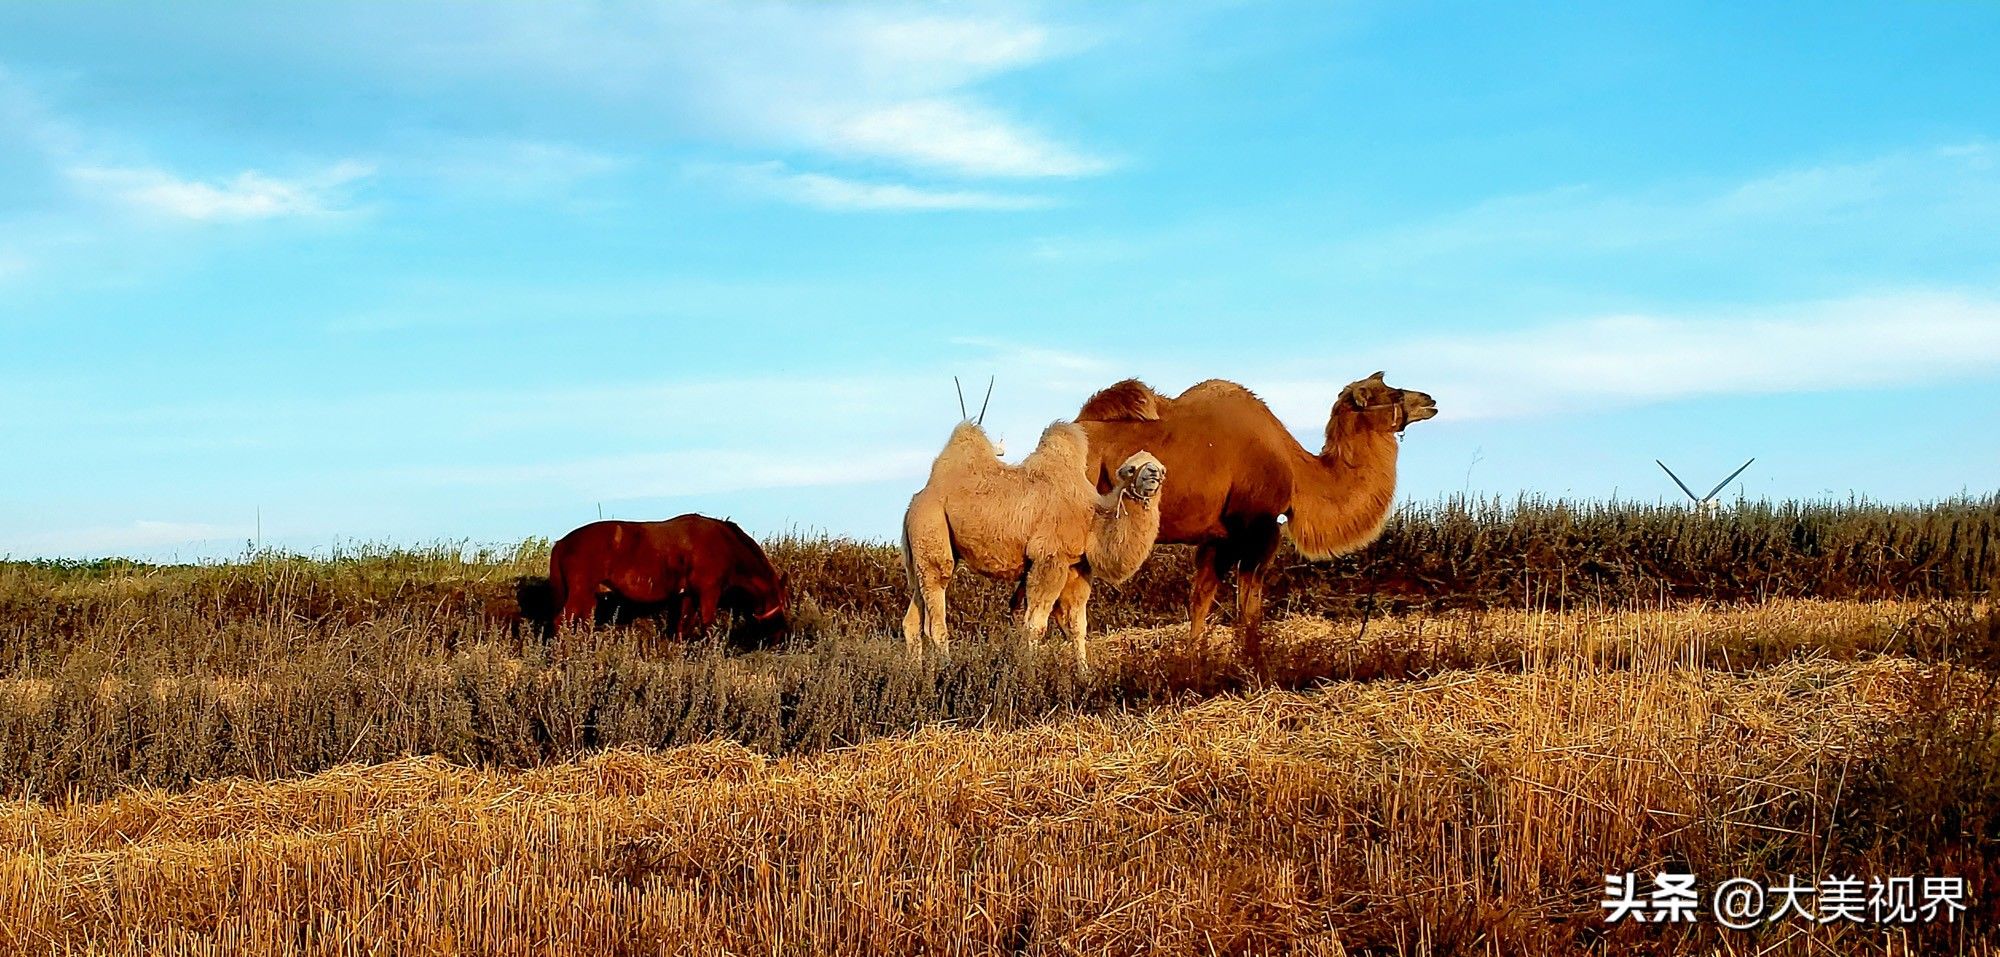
(1127, 401)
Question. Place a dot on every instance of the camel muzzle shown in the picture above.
(1415, 407)
(1144, 485)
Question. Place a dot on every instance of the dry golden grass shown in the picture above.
(1304, 648)
(1473, 808)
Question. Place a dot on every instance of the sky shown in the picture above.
(318, 274)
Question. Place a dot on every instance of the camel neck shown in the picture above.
(1342, 496)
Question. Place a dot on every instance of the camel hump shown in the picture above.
(969, 436)
(968, 448)
(1127, 401)
(1062, 450)
(1217, 389)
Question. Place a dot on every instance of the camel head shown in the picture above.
(1374, 405)
(1141, 475)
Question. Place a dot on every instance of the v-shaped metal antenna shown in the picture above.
(983, 403)
(1732, 477)
(1677, 481)
(1702, 500)
(981, 420)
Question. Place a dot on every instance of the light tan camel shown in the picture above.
(1040, 522)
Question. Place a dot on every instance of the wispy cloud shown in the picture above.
(98, 166)
(957, 137)
(867, 103)
(1619, 361)
(882, 84)
(885, 85)
(1563, 367)
(88, 201)
(829, 192)
(245, 196)
(890, 86)
(1936, 191)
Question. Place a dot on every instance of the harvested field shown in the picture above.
(1477, 807)
(359, 756)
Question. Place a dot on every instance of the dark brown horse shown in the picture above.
(691, 567)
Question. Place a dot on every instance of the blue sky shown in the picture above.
(441, 271)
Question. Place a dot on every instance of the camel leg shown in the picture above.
(934, 631)
(913, 624)
(1073, 609)
(928, 562)
(1209, 566)
(1258, 546)
(924, 620)
(1046, 579)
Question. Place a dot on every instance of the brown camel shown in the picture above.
(1240, 478)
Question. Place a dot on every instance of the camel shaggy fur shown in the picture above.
(1041, 522)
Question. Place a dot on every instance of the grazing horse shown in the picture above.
(692, 567)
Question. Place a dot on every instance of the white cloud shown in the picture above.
(956, 137)
(246, 196)
(877, 84)
(1917, 338)
(947, 50)
(837, 193)
(87, 207)
(891, 85)
(890, 89)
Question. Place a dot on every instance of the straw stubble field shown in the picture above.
(357, 756)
